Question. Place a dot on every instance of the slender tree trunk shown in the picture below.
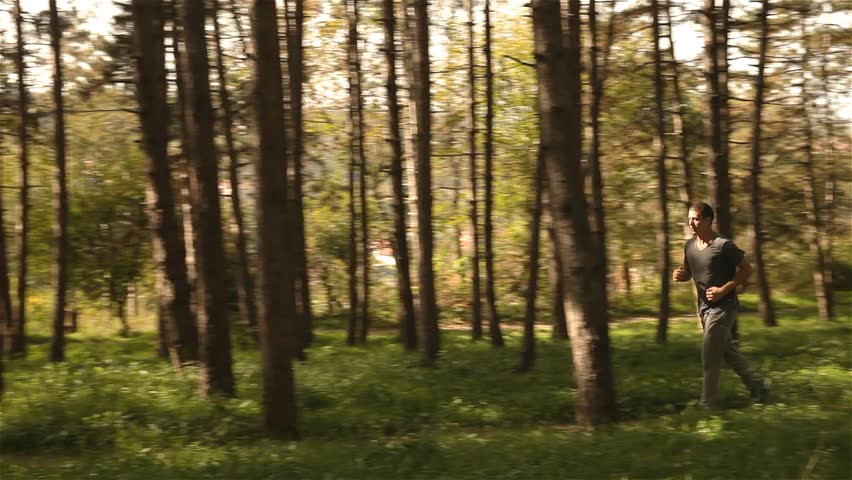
(5, 294)
(559, 89)
(356, 138)
(216, 373)
(663, 186)
(722, 170)
(767, 311)
(173, 290)
(813, 208)
(456, 200)
(421, 87)
(476, 300)
(183, 173)
(555, 276)
(830, 172)
(685, 190)
(528, 346)
(245, 282)
(715, 21)
(276, 272)
(596, 79)
(362, 189)
(121, 314)
(407, 318)
(60, 195)
(16, 340)
(295, 62)
(493, 317)
(160, 288)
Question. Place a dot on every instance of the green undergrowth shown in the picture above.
(114, 411)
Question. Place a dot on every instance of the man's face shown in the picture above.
(697, 224)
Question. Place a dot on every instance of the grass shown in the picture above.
(114, 411)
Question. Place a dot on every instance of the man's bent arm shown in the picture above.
(740, 278)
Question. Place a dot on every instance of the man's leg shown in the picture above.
(717, 338)
(740, 365)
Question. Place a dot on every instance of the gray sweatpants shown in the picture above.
(717, 322)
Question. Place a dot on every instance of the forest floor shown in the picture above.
(115, 411)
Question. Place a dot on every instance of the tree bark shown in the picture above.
(356, 139)
(407, 318)
(5, 293)
(596, 79)
(493, 317)
(276, 275)
(809, 185)
(555, 277)
(664, 265)
(295, 63)
(358, 128)
(528, 346)
(476, 283)
(245, 282)
(16, 340)
(173, 293)
(216, 373)
(767, 310)
(715, 23)
(182, 167)
(421, 86)
(60, 195)
(829, 207)
(559, 89)
(685, 189)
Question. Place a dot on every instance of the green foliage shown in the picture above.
(110, 241)
(114, 411)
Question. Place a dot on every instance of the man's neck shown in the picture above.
(706, 237)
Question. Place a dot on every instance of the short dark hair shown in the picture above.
(703, 209)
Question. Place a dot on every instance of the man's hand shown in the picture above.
(681, 274)
(717, 293)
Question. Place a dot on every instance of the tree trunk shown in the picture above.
(173, 292)
(476, 300)
(245, 282)
(809, 185)
(182, 167)
(596, 79)
(356, 138)
(715, 122)
(60, 195)
(356, 112)
(664, 265)
(555, 276)
(407, 318)
(421, 86)
(685, 189)
(528, 346)
(830, 172)
(121, 314)
(16, 340)
(559, 89)
(767, 311)
(490, 296)
(295, 63)
(276, 272)
(216, 373)
(5, 294)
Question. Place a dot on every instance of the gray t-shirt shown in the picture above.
(714, 266)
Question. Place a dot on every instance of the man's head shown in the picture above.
(700, 219)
